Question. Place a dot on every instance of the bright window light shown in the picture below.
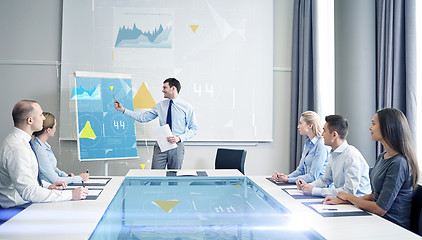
(418, 14)
(325, 72)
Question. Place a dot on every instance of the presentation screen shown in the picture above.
(103, 132)
(220, 50)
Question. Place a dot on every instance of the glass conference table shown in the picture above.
(192, 204)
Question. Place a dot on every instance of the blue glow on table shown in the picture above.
(196, 208)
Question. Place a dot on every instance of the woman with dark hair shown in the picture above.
(46, 160)
(395, 173)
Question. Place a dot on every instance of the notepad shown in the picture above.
(281, 183)
(94, 181)
(94, 192)
(340, 210)
(186, 173)
(97, 181)
(337, 208)
(298, 194)
(293, 191)
(289, 187)
(89, 188)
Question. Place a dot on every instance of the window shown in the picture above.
(325, 69)
(419, 82)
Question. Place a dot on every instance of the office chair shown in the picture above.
(416, 215)
(230, 159)
(8, 213)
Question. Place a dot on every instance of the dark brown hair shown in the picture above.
(339, 124)
(395, 131)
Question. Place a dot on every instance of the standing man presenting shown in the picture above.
(19, 179)
(175, 112)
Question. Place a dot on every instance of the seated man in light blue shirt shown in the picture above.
(347, 169)
(180, 117)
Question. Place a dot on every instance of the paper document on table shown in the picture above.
(187, 173)
(298, 194)
(97, 181)
(94, 192)
(321, 208)
(341, 210)
(94, 181)
(72, 187)
(283, 184)
(294, 191)
(161, 135)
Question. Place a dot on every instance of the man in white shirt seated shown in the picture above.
(19, 180)
(347, 169)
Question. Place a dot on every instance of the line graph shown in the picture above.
(86, 94)
(136, 38)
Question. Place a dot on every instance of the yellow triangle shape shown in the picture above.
(111, 88)
(194, 27)
(87, 131)
(143, 165)
(167, 205)
(143, 98)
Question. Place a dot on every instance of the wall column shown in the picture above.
(355, 70)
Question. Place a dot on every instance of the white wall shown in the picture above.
(30, 46)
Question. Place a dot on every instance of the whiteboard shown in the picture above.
(220, 50)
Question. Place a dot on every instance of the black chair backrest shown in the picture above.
(416, 216)
(230, 159)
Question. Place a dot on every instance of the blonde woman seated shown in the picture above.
(314, 154)
(47, 162)
(395, 172)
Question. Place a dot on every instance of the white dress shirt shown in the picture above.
(19, 174)
(183, 117)
(347, 170)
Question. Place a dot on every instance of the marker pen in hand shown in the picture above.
(83, 184)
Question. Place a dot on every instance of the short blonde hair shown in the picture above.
(311, 117)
